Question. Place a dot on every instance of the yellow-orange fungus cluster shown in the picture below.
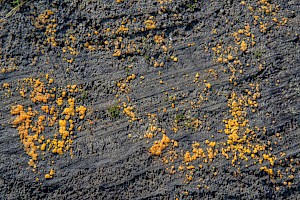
(241, 138)
(150, 24)
(50, 174)
(33, 124)
(160, 145)
(39, 93)
(240, 146)
(128, 110)
(46, 20)
(23, 121)
(197, 152)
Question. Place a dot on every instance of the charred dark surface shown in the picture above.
(107, 162)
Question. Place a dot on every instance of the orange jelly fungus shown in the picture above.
(31, 123)
(160, 145)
